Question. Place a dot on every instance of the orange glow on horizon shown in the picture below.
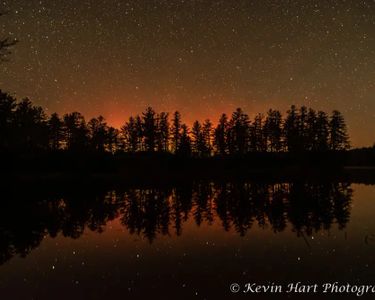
(116, 110)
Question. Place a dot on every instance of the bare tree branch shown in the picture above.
(6, 44)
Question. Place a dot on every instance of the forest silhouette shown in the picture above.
(161, 146)
(25, 128)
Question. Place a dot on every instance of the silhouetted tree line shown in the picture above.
(149, 212)
(361, 156)
(25, 127)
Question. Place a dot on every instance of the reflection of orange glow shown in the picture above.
(206, 234)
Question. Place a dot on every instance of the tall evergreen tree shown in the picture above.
(163, 133)
(291, 130)
(184, 147)
(322, 131)
(258, 139)
(98, 133)
(56, 132)
(31, 127)
(176, 131)
(207, 137)
(239, 129)
(112, 140)
(7, 107)
(140, 133)
(220, 135)
(311, 131)
(149, 129)
(302, 137)
(197, 143)
(273, 130)
(75, 132)
(129, 133)
(338, 136)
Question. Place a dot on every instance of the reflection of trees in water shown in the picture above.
(305, 208)
(146, 212)
(316, 207)
(25, 220)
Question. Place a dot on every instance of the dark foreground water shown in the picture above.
(190, 241)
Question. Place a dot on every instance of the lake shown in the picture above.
(186, 241)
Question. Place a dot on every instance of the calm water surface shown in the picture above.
(190, 241)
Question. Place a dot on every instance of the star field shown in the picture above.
(200, 57)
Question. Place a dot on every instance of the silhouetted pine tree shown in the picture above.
(129, 134)
(302, 139)
(176, 131)
(258, 141)
(31, 131)
(221, 136)
(149, 129)
(322, 131)
(112, 140)
(273, 130)
(338, 136)
(75, 132)
(238, 133)
(163, 132)
(56, 132)
(184, 147)
(197, 143)
(311, 131)
(7, 107)
(139, 129)
(207, 137)
(291, 130)
(98, 133)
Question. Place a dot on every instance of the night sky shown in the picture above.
(115, 58)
